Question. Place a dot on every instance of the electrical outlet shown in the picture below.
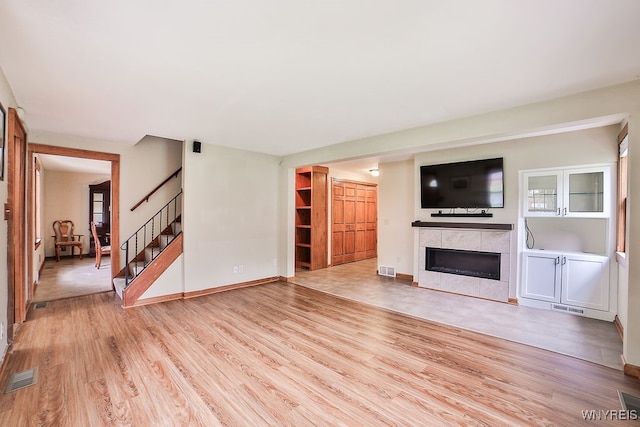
(241, 268)
(1, 330)
(235, 269)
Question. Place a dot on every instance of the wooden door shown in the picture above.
(361, 223)
(349, 225)
(15, 215)
(354, 221)
(371, 221)
(337, 223)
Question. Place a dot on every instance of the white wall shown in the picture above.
(7, 100)
(66, 196)
(396, 211)
(231, 217)
(143, 167)
(169, 283)
(39, 252)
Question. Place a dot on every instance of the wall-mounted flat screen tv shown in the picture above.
(471, 184)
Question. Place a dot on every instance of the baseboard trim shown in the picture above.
(156, 300)
(513, 301)
(209, 291)
(408, 277)
(619, 327)
(287, 279)
(630, 369)
(415, 284)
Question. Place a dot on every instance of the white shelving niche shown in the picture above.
(568, 240)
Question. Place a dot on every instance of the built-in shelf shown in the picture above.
(479, 226)
(311, 217)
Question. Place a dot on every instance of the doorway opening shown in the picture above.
(336, 217)
(76, 185)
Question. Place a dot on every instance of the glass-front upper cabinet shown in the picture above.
(580, 192)
(543, 193)
(584, 192)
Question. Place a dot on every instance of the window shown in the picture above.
(98, 208)
(623, 143)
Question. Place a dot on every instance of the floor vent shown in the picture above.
(40, 305)
(567, 309)
(22, 379)
(629, 402)
(387, 271)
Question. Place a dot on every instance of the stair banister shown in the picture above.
(131, 244)
(146, 198)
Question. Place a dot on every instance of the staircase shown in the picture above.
(149, 251)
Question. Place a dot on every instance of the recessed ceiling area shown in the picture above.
(283, 77)
(56, 163)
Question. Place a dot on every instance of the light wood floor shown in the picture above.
(589, 339)
(282, 354)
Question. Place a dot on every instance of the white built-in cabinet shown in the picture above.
(575, 279)
(552, 277)
(575, 192)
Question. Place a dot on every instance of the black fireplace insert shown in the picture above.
(466, 263)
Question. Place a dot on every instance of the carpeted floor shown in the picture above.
(72, 277)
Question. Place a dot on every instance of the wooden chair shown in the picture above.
(64, 237)
(100, 250)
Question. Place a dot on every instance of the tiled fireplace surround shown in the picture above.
(497, 241)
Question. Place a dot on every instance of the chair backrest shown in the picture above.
(95, 234)
(63, 230)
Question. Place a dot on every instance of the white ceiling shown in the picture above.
(56, 163)
(284, 76)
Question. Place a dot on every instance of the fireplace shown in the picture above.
(485, 265)
(461, 243)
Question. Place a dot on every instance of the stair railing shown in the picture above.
(146, 198)
(149, 235)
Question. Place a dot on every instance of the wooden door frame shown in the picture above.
(115, 197)
(16, 246)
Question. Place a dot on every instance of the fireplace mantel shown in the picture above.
(467, 225)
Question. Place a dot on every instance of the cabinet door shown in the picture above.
(542, 276)
(587, 192)
(585, 281)
(543, 195)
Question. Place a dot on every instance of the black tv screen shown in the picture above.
(472, 184)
